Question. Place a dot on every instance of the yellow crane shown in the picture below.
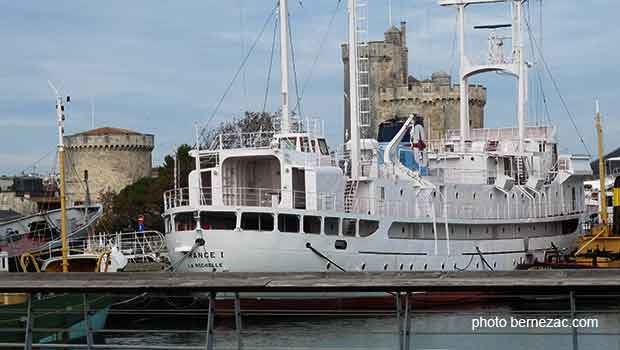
(601, 248)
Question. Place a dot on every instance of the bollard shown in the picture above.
(616, 203)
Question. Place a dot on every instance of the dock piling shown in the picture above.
(28, 330)
(399, 311)
(210, 322)
(87, 325)
(238, 322)
(573, 311)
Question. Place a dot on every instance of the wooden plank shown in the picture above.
(602, 280)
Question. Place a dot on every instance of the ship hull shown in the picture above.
(253, 251)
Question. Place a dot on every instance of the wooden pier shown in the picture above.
(540, 281)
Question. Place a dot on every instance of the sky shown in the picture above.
(160, 67)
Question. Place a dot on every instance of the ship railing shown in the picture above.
(251, 196)
(463, 210)
(483, 134)
(140, 246)
(309, 125)
(242, 140)
(461, 175)
(178, 197)
(470, 206)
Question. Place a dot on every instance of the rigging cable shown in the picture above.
(483, 259)
(243, 63)
(273, 50)
(318, 54)
(309, 246)
(557, 89)
(242, 27)
(290, 38)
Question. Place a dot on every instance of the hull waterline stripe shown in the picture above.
(390, 253)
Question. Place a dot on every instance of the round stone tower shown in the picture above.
(105, 159)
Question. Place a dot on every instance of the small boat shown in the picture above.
(43, 229)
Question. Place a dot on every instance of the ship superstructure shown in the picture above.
(480, 199)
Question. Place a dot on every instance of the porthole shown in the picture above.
(328, 266)
(518, 228)
(454, 266)
(411, 267)
(522, 196)
(363, 267)
(457, 195)
(472, 159)
(434, 194)
(385, 267)
(425, 266)
(490, 195)
(401, 192)
(505, 196)
(474, 195)
(495, 264)
(513, 196)
(443, 266)
(478, 265)
(401, 267)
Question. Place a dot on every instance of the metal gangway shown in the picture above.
(140, 247)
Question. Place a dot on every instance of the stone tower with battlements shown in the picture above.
(396, 94)
(111, 158)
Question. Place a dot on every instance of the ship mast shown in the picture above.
(284, 117)
(60, 115)
(517, 67)
(354, 140)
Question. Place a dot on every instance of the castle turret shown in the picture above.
(394, 93)
(110, 158)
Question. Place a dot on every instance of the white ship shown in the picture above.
(481, 199)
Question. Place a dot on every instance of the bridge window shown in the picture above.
(185, 221)
(349, 227)
(257, 221)
(289, 143)
(218, 220)
(323, 147)
(288, 223)
(313, 146)
(312, 224)
(305, 146)
(368, 227)
(332, 226)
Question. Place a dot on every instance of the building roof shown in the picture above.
(613, 155)
(108, 131)
(393, 29)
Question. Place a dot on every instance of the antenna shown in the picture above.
(390, 12)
